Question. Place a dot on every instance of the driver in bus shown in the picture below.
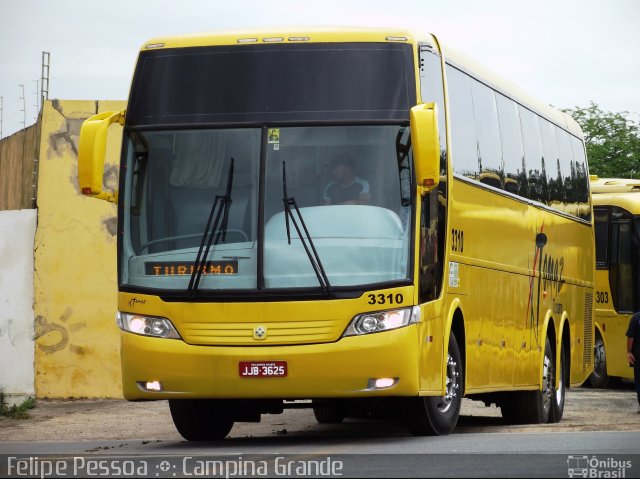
(347, 188)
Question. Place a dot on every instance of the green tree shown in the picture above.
(612, 141)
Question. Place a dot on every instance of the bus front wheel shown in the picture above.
(200, 419)
(437, 416)
(328, 413)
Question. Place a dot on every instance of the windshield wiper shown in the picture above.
(211, 235)
(305, 239)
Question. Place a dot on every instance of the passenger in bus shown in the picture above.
(347, 188)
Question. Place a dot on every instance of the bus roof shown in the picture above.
(624, 193)
(361, 34)
(509, 89)
(287, 35)
(614, 185)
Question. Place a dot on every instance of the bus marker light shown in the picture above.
(382, 383)
(150, 386)
(153, 386)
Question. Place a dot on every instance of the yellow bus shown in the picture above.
(353, 220)
(616, 210)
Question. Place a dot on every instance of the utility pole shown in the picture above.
(37, 95)
(24, 108)
(44, 77)
(1, 107)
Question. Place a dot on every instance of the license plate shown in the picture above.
(263, 369)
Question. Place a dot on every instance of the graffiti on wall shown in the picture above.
(52, 337)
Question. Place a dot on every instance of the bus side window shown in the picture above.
(581, 178)
(432, 90)
(536, 171)
(620, 272)
(512, 149)
(433, 219)
(601, 220)
(463, 132)
(553, 167)
(485, 112)
(431, 246)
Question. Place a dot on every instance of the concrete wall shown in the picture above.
(77, 341)
(17, 155)
(17, 230)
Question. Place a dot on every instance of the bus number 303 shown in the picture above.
(386, 298)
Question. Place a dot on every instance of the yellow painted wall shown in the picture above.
(77, 342)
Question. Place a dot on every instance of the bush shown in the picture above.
(17, 411)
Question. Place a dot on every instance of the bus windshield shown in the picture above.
(346, 183)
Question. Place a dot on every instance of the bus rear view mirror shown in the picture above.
(92, 150)
(426, 145)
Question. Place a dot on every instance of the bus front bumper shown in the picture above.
(347, 368)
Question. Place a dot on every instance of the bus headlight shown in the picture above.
(146, 326)
(382, 321)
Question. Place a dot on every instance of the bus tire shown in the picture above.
(201, 420)
(328, 414)
(557, 402)
(599, 378)
(511, 405)
(533, 407)
(438, 416)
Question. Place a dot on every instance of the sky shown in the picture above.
(567, 53)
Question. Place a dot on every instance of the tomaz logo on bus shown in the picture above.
(550, 279)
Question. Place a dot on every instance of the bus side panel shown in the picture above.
(431, 347)
(612, 327)
(523, 264)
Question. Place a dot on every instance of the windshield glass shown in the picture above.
(346, 184)
(173, 180)
(344, 181)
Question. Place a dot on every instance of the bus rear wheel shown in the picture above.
(557, 403)
(201, 419)
(438, 416)
(599, 378)
(534, 407)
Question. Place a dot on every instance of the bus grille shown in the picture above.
(587, 361)
(272, 333)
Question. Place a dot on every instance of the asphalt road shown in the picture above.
(599, 435)
(457, 455)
